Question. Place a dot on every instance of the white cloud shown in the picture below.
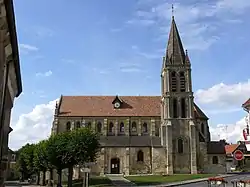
(230, 132)
(27, 48)
(45, 74)
(191, 18)
(225, 99)
(33, 126)
(42, 32)
(223, 95)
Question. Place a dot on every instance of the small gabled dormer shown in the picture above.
(117, 102)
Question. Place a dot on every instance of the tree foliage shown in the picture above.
(60, 151)
(25, 159)
(41, 162)
(84, 145)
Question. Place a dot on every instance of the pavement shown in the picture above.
(119, 180)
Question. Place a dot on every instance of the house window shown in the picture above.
(111, 127)
(140, 156)
(145, 127)
(173, 82)
(133, 128)
(99, 127)
(68, 126)
(183, 108)
(122, 127)
(78, 124)
(180, 146)
(182, 82)
(175, 108)
(215, 160)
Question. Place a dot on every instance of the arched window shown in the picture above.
(157, 130)
(202, 128)
(183, 108)
(133, 127)
(145, 127)
(140, 156)
(215, 160)
(180, 146)
(173, 82)
(99, 127)
(78, 124)
(175, 108)
(182, 82)
(111, 127)
(88, 125)
(68, 126)
(121, 127)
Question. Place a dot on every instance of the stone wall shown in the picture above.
(181, 161)
(216, 168)
(159, 161)
(140, 167)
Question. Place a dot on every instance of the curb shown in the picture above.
(191, 181)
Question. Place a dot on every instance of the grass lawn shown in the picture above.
(93, 182)
(158, 179)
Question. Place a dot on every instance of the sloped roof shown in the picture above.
(216, 147)
(231, 148)
(246, 104)
(94, 106)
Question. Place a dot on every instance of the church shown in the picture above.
(163, 134)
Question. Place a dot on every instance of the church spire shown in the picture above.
(175, 51)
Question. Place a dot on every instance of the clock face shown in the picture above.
(117, 105)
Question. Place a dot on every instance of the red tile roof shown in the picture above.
(246, 104)
(231, 148)
(93, 106)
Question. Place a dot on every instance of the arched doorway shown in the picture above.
(115, 166)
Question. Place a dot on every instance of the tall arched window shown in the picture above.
(175, 108)
(121, 127)
(78, 124)
(140, 156)
(145, 127)
(180, 146)
(183, 108)
(133, 127)
(99, 127)
(111, 127)
(173, 81)
(182, 82)
(68, 126)
(215, 160)
(88, 125)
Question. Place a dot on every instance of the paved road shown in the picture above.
(229, 179)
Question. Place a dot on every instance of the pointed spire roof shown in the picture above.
(175, 51)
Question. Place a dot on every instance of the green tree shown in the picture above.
(25, 160)
(57, 150)
(82, 147)
(41, 162)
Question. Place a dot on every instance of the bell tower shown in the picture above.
(178, 128)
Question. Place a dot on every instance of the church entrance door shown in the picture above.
(115, 166)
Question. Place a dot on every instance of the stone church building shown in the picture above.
(163, 134)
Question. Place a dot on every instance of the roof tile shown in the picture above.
(99, 106)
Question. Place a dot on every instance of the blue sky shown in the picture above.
(109, 47)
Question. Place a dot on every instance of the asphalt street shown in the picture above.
(229, 179)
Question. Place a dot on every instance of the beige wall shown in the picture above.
(59, 124)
